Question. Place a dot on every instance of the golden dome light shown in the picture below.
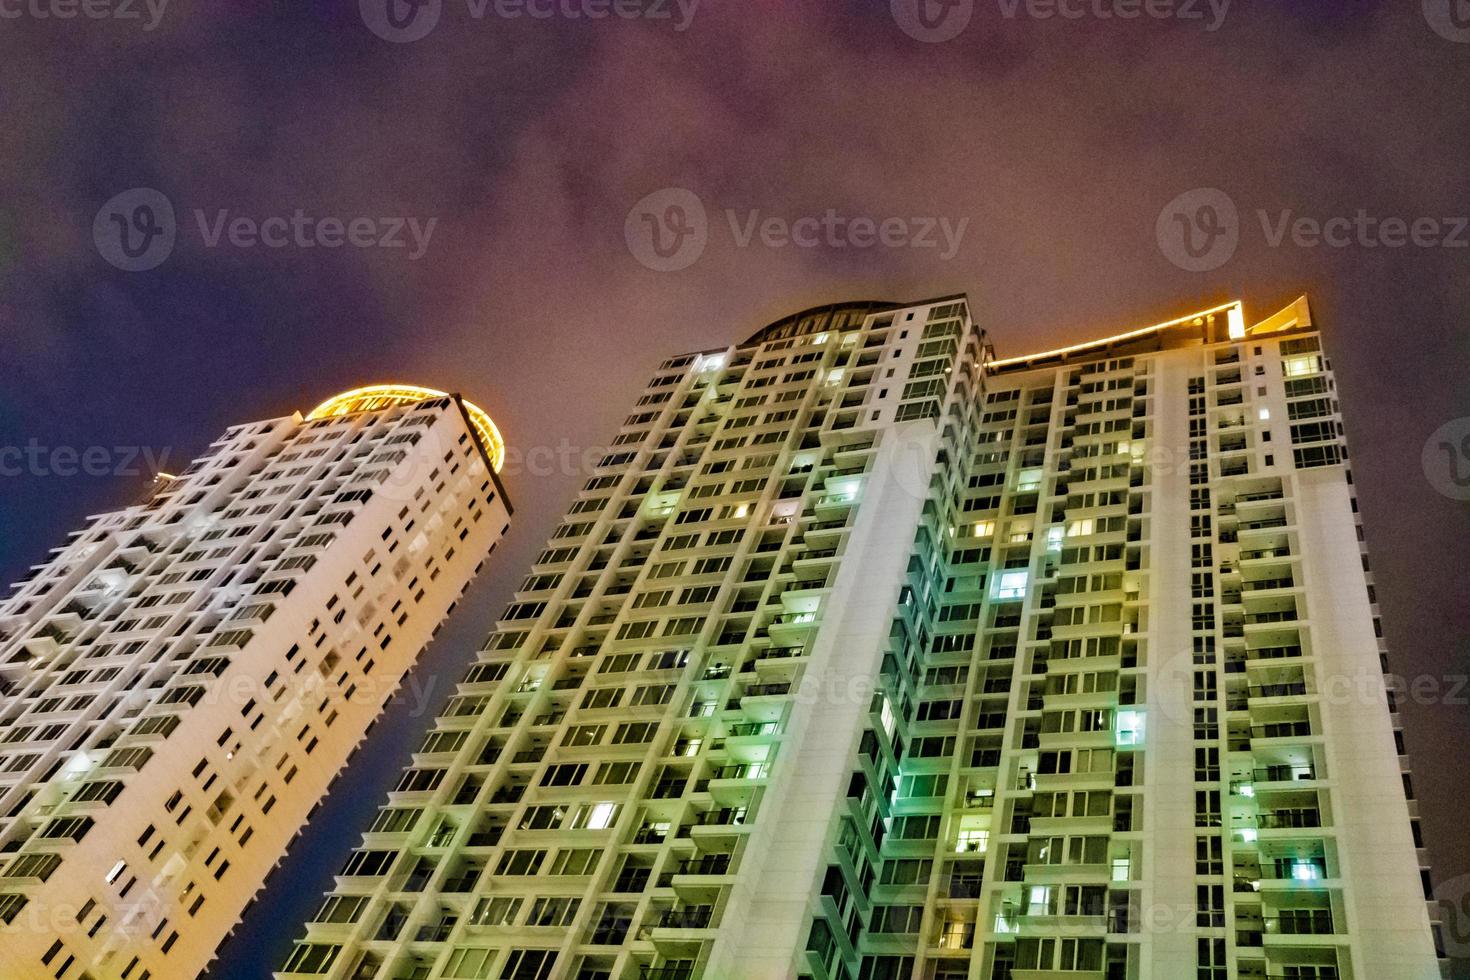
(375, 397)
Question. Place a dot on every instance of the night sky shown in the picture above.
(1059, 153)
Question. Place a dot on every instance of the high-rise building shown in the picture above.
(184, 677)
(866, 654)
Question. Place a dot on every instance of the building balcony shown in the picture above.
(1101, 824)
(1285, 773)
(1259, 497)
(1290, 925)
(1061, 781)
(699, 881)
(1265, 554)
(1273, 652)
(1050, 874)
(1285, 689)
(686, 917)
(1296, 878)
(1281, 729)
(1269, 621)
(1290, 820)
(666, 973)
(1054, 923)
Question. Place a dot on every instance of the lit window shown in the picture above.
(1129, 728)
(972, 839)
(1012, 585)
(1305, 871)
(885, 715)
(602, 816)
(1235, 319)
(1306, 364)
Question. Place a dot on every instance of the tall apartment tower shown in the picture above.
(184, 677)
(864, 655)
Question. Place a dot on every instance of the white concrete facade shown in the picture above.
(864, 655)
(186, 676)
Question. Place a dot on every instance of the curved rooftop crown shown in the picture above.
(817, 318)
(376, 397)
